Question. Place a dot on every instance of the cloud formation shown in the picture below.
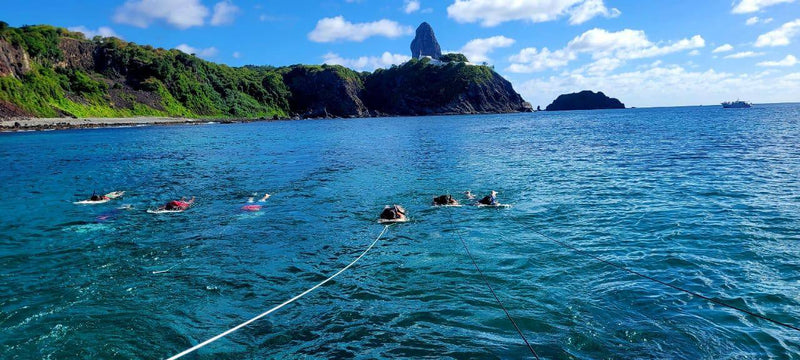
(103, 31)
(224, 13)
(667, 85)
(751, 6)
(203, 53)
(781, 36)
(366, 62)
(744, 54)
(181, 14)
(723, 48)
(789, 60)
(755, 20)
(477, 50)
(491, 12)
(337, 28)
(601, 44)
(411, 6)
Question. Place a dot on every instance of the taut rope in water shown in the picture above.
(485, 281)
(623, 268)
(287, 302)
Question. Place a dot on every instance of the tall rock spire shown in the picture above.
(425, 43)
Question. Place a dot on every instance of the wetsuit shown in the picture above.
(177, 205)
(391, 213)
(489, 200)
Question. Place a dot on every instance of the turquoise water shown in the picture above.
(701, 197)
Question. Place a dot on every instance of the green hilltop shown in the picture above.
(47, 71)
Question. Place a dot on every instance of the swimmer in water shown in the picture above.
(445, 200)
(263, 199)
(394, 213)
(490, 199)
(469, 195)
(255, 207)
(95, 198)
(177, 205)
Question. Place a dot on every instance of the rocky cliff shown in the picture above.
(584, 100)
(425, 44)
(14, 60)
(51, 72)
(325, 91)
(421, 88)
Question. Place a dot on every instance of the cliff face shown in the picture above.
(584, 100)
(14, 60)
(51, 72)
(421, 88)
(425, 44)
(325, 92)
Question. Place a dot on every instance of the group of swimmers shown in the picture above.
(392, 213)
(396, 213)
(172, 206)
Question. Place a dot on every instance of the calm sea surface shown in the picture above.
(701, 197)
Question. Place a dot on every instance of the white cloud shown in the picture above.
(224, 13)
(182, 14)
(590, 9)
(667, 85)
(789, 60)
(723, 48)
(622, 45)
(477, 50)
(600, 67)
(203, 53)
(411, 6)
(337, 28)
(751, 6)
(237, 55)
(492, 12)
(781, 36)
(532, 60)
(744, 54)
(694, 52)
(366, 62)
(755, 20)
(103, 31)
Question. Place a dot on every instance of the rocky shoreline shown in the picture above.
(20, 124)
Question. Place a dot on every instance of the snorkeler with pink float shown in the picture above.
(252, 205)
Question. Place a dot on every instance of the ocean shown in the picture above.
(703, 198)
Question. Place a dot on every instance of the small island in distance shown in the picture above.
(584, 100)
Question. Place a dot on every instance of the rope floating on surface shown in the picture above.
(287, 302)
(647, 277)
(485, 281)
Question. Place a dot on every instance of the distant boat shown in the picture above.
(738, 104)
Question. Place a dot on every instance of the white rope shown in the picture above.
(287, 302)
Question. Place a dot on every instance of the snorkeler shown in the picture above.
(394, 213)
(263, 199)
(250, 206)
(99, 199)
(445, 200)
(469, 195)
(490, 199)
(177, 205)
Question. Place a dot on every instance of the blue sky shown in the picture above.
(647, 53)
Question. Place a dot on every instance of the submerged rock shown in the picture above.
(425, 44)
(584, 100)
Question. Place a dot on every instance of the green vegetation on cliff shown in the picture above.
(131, 80)
(51, 72)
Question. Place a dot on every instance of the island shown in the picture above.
(584, 100)
(51, 72)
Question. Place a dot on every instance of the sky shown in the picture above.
(644, 52)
